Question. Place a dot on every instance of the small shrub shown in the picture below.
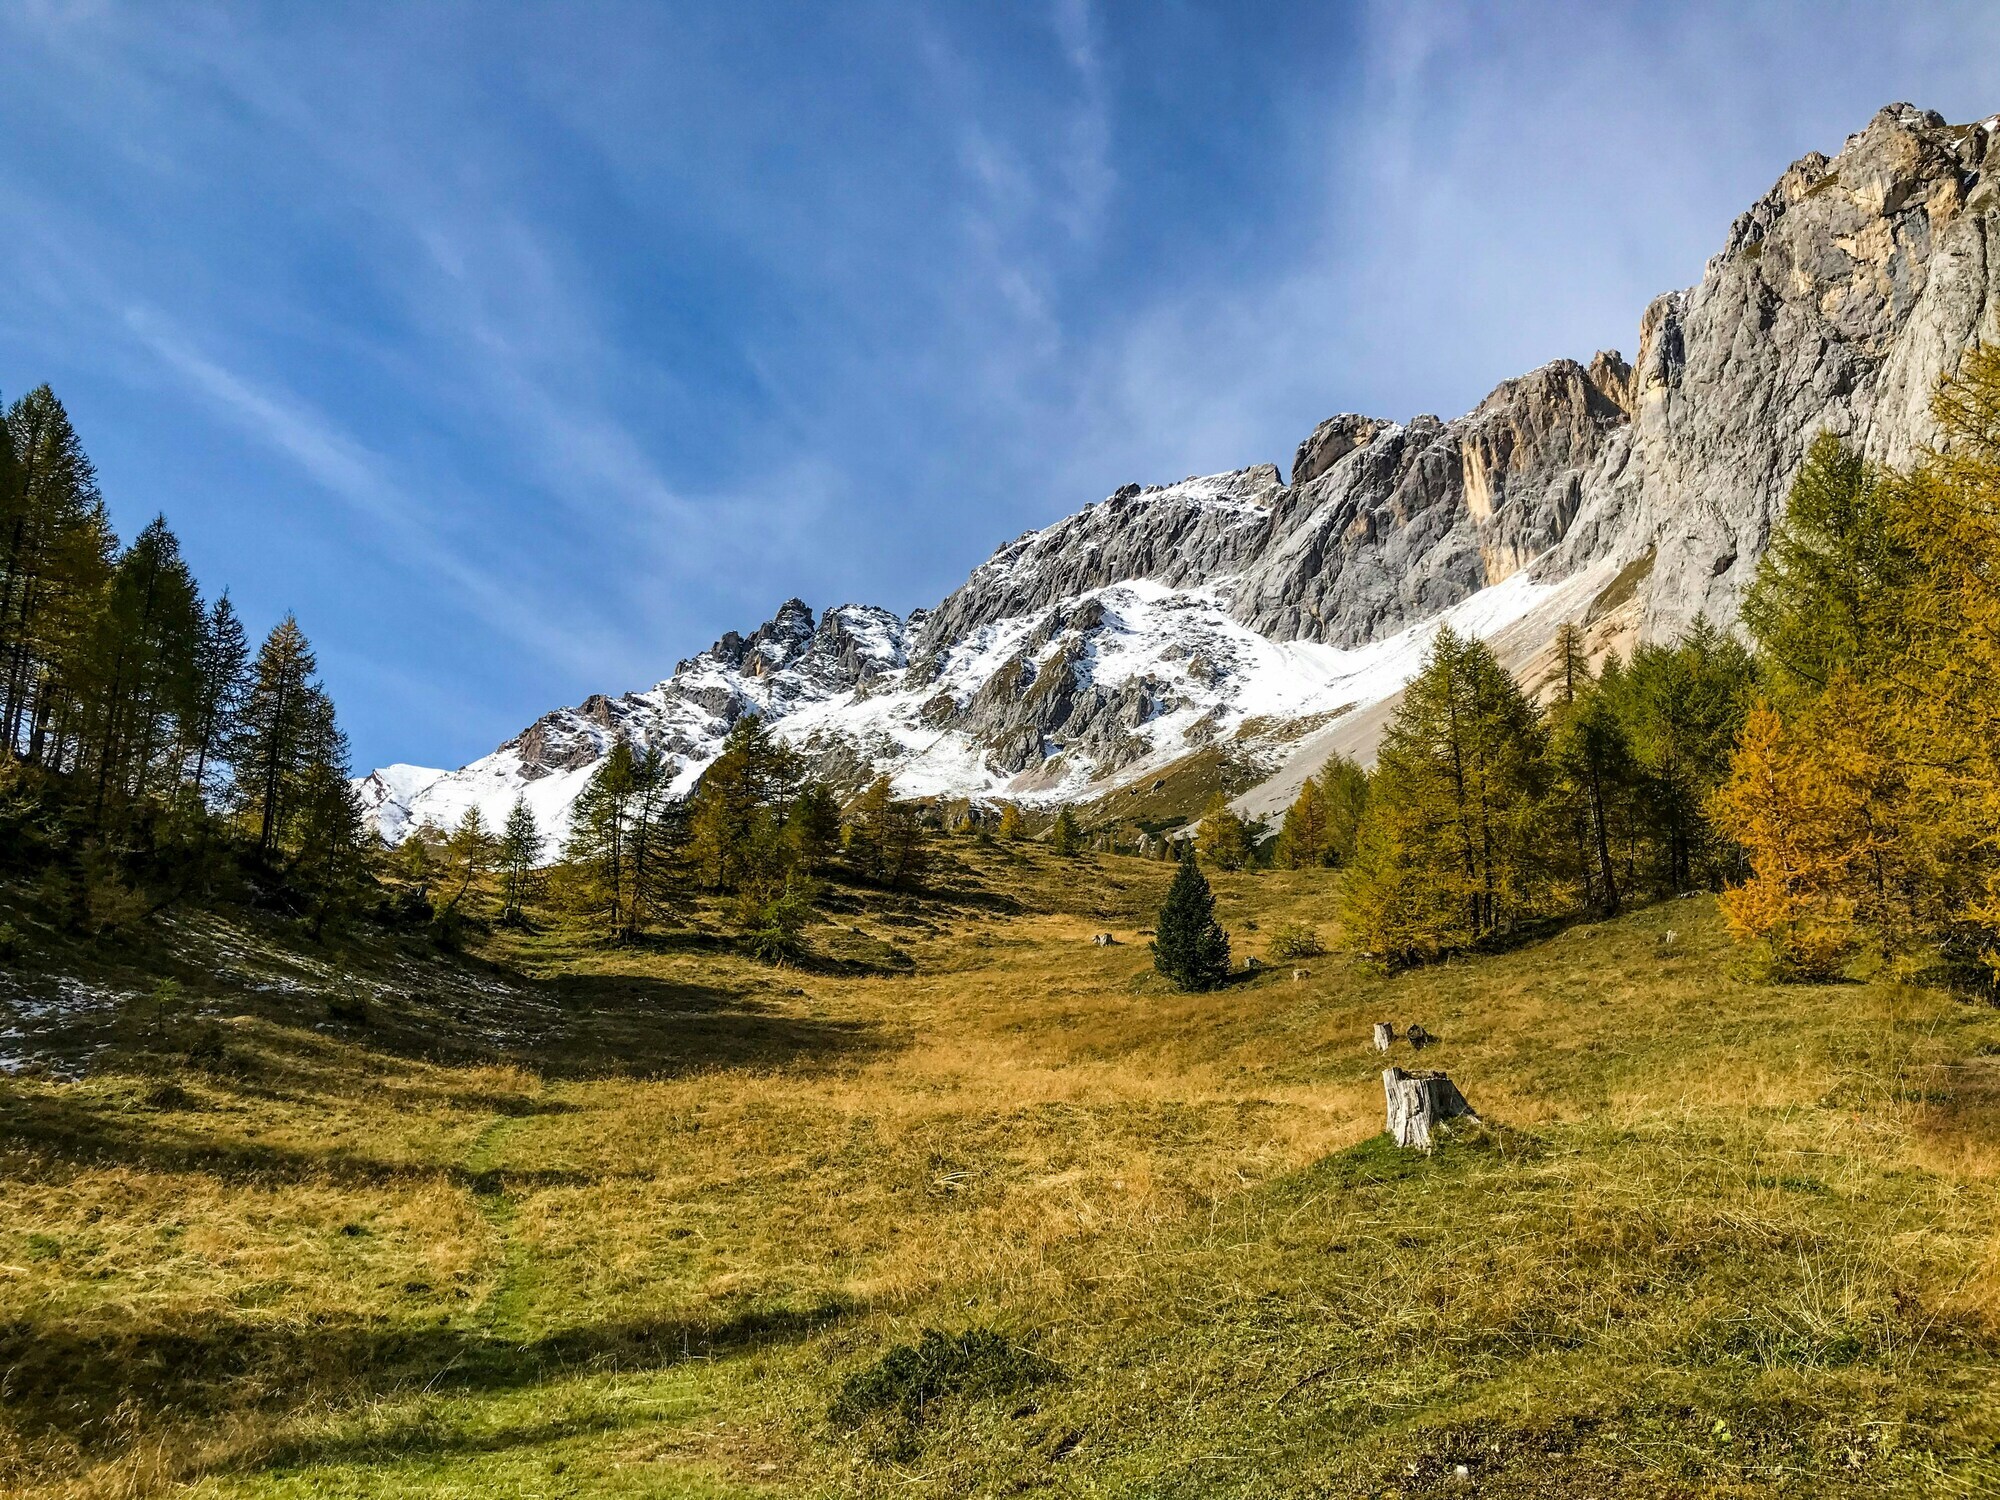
(448, 928)
(169, 1006)
(205, 1049)
(168, 1095)
(111, 906)
(11, 944)
(1296, 940)
(912, 1377)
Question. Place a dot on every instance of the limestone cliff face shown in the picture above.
(1836, 303)
(1223, 609)
(1423, 514)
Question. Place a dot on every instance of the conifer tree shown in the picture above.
(736, 824)
(139, 667)
(1065, 836)
(886, 839)
(1592, 763)
(1452, 850)
(1224, 839)
(222, 659)
(470, 851)
(1826, 587)
(1302, 837)
(658, 842)
(1013, 827)
(597, 855)
(55, 557)
(1867, 794)
(1189, 945)
(323, 830)
(1343, 789)
(812, 827)
(520, 856)
(285, 721)
(1682, 707)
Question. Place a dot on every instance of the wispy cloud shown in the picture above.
(348, 471)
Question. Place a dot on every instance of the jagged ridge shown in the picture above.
(1239, 607)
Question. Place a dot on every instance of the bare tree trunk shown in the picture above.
(1384, 1035)
(1419, 1101)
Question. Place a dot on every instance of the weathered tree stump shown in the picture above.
(1420, 1101)
(1300, 976)
(1384, 1035)
(1418, 1037)
(1104, 940)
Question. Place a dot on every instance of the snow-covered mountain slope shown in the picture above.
(1279, 619)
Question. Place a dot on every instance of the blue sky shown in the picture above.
(523, 349)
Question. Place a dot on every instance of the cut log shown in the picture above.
(1418, 1102)
(1384, 1035)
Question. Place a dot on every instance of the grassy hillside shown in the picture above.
(557, 1220)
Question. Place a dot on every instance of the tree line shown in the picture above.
(1835, 774)
(133, 708)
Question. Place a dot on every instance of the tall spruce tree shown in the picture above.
(55, 558)
(1065, 837)
(1682, 707)
(1451, 846)
(736, 824)
(1343, 789)
(284, 724)
(886, 839)
(1826, 588)
(471, 850)
(1302, 840)
(323, 830)
(1189, 945)
(597, 855)
(1592, 764)
(140, 669)
(222, 660)
(520, 856)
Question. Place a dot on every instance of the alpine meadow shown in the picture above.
(1466, 965)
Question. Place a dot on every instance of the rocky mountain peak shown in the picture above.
(1216, 612)
(1332, 441)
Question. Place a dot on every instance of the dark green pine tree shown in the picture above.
(1065, 837)
(323, 827)
(55, 557)
(222, 661)
(274, 743)
(520, 855)
(1189, 945)
(140, 668)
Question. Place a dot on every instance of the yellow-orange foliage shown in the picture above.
(1816, 806)
(1875, 807)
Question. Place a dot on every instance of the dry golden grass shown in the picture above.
(625, 1221)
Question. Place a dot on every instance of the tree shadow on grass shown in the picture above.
(629, 1026)
(47, 1134)
(573, 1025)
(81, 1381)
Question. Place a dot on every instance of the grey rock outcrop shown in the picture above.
(1159, 620)
(1837, 302)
